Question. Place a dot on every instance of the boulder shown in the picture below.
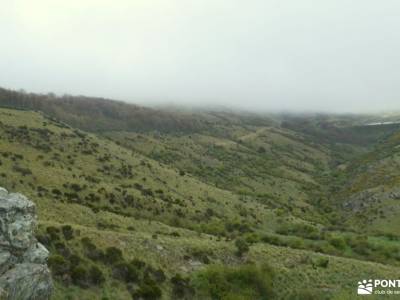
(17, 222)
(27, 281)
(23, 270)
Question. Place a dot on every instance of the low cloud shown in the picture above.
(304, 55)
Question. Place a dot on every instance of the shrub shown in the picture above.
(58, 264)
(125, 272)
(252, 238)
(360, 245)
(321, 262)
(96, 275)
(147, 290)
(201, 255)
(62, 249)
(242, 246)
(296, 243)
(68, 232)
(303, 230)
(244, 282)
(272, 239)
(338, 242)
(139, 264)
(44, 239)
(53, 233)
(113, 255)
(324, 247)
(261, 150)
(23, 171)
(91, 250)
(56, 192)
(392, 236)
(181, 286)
(158, 275)
(95, 254)
(79, 276)
(74, 260)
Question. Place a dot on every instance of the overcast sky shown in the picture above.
(331, 55)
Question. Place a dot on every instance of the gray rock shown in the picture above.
(36, 254)
(27, 281)
(23, 270)
(3, 192)
(17, 221)
(368, 198)
(6, 261)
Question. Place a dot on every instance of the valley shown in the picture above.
(146, 203)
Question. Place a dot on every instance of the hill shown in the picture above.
(139, 212)
(98, 114)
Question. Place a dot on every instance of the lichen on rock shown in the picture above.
(23, 270)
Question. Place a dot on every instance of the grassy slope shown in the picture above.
(146, 226)
(338, 280)
(363, 180)
(371, 193)
(271, 165)
(107, 170)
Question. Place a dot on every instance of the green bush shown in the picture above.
(360, 245)
(125, 272)
(321, 262)
(296, 243)
(53, 233)
(392, 236)
(181, 287)
(96, 275)
(261, 150)
(74, 260)
(157, 274)
(44, 239)
(244, 282)
(58, 265)
(201, 255)
(303, 230)
(252, 238)
(327, 248)
(272, 239)
(79, 276)
(242, 247)
(113, 255)
(91, 250)
(337, 242)
(147, 290)
(138, 264)
(68, 232)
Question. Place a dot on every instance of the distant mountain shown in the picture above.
(98, 114)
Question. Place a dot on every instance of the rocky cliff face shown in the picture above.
(23, 270)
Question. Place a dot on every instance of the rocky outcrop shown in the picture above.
(370, 197)
(23, 270)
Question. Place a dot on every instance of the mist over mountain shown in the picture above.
(331, 56)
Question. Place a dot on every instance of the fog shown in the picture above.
(331, 55)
